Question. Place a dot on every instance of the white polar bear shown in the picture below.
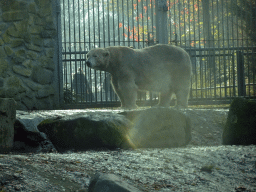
(161, 68)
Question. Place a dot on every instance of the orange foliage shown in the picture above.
(146, 8)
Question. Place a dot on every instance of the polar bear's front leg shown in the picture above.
(114, 81)
(128, 90)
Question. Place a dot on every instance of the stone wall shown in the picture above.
(28, 67)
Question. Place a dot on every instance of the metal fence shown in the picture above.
(219, 35)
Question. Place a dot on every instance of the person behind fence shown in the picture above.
(80, 84)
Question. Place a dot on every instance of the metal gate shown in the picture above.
(215, 34)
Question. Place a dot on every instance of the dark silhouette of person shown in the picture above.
(80, 85)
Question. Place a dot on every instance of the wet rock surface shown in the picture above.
(203, 165)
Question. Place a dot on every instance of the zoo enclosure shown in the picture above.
(219, 35)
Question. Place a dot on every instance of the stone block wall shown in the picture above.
(28, 35)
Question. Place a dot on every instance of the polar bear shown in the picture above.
(160, 68)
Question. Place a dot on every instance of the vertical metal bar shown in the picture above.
(99, 22)
(123, 22)
(170, 23)
(58, 59)
(248, 60)
(104, 45)
(128, 27)
(93, 24)
(108, 25)
(103, 25)
(74, 23)
(232, 28)
(237, 32)
(224, 51)
(179, 23)
(90, 46)
(113, 9)
(161, 22)
(229, 52)
(229, 73)
(100, 41)
(184, 31)
(138, 21)
(253, 75)
(94, 38)
(240, 74)
(109, 39)
(194, 31)
(118, 22)
(147, 10)
(189, 27)
(65, 46)
(213, 52)
(174, 19)
(89, 24)
(133, 23)
(142, 23)
(218, 23)
(152, 18)
(69, 34)
(85, 35)
(200, 52)
(228, 28)
(234, 76)
(80, 63)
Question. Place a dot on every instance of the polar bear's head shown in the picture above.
(98, 59)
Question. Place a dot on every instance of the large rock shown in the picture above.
(88, 130)
(7, 119)
(27, 137)
(160, 128)
(109, 182)
(240, 128)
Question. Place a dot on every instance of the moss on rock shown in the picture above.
(85, 132)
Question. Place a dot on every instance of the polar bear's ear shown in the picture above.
(106, 53)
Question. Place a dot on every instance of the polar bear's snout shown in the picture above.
(88, 63)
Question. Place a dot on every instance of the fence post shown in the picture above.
(58, 74)
(240, 74)
(161, 22)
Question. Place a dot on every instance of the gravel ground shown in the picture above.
(204, 165)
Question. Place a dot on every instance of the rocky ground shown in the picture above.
(204, 165)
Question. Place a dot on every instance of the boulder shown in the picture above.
(240, 128)
(109, 182)
(7, 119)
(160, 128)
(88, 130)
(27, 137)
(62, 130)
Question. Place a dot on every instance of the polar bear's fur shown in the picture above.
(160, 68)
